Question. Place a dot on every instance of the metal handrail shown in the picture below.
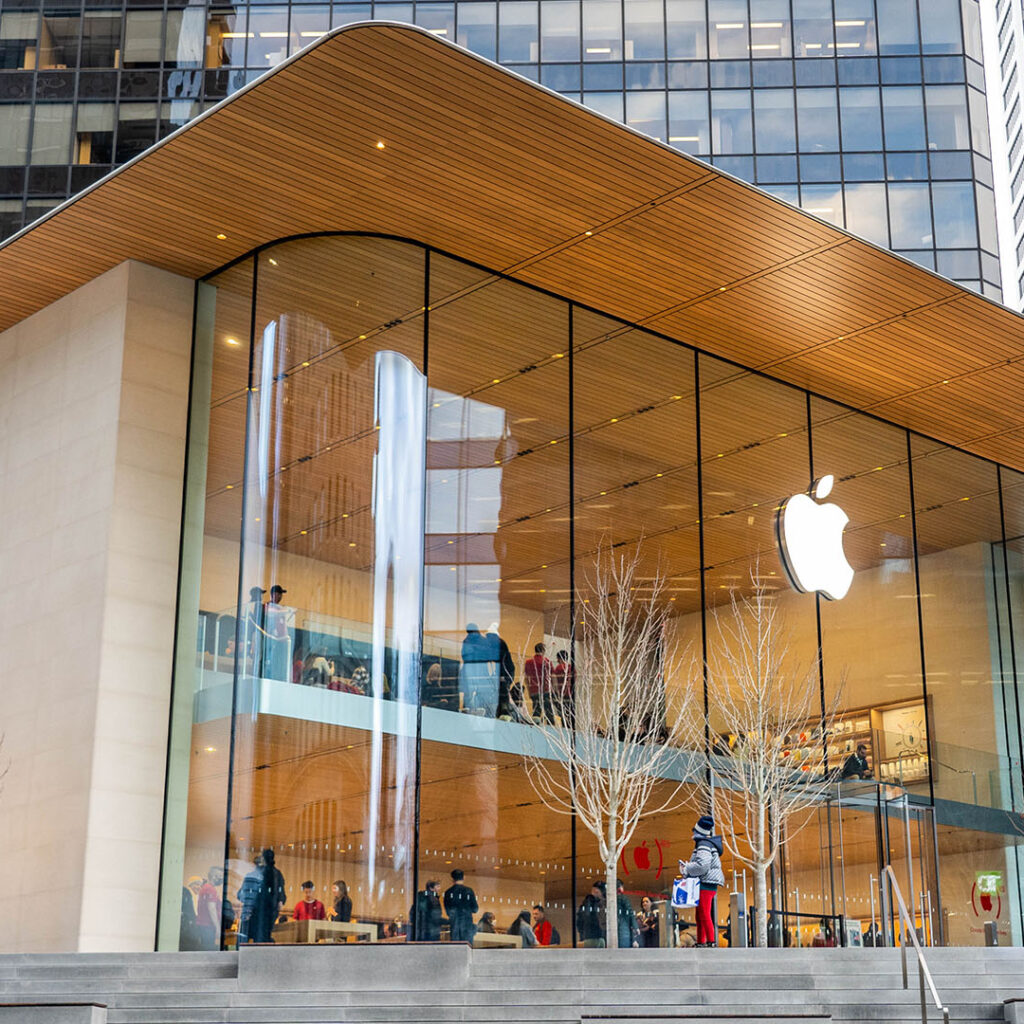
(923, 974)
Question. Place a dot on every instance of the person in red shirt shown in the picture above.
(563, 685)
(537, 676)
(309, 908)
(541, 926)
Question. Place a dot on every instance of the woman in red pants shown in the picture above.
(705, 865)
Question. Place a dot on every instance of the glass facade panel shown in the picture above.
(940, 27)
(401, 467)
(688, 124)
(770, 28)
(686, 29)
(947, 117)
(517, 32)
(813, 31)
(602, 30)
(730, 122)
(774, 121)
(861, 119)
(727, 29)
(956, 227)
(897, 27)
(817, 120)
(903, 115)
(477, 28)
(644, 30)
(560, 30)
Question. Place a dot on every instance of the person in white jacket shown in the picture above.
(705, 865)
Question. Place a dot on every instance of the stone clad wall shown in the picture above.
(93, 404)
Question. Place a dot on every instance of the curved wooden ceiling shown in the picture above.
(483, 164)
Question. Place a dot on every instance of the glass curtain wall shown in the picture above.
(401, 468)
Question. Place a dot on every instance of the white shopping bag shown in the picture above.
(686, 892)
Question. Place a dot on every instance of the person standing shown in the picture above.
(460, 905)
(208, 909)
(342, 909)
(563, 685)
(269, 900)
(521, 927)
(276, 661)
(590, 917)
(856, 765)
(426, 913)
(309, 908)
(629, 930)
(647, 920)
(473, 675)
(705, 865)
(252, 642)
(542, 927)
(537, 676)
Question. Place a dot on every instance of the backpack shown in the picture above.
(556, 939)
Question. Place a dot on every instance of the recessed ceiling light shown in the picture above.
(221, 236)
(272, 261)
(231, 341)
(381, 144)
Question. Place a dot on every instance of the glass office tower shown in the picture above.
(868, 113)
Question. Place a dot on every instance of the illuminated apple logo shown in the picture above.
(810, 537)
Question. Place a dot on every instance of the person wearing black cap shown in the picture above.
(705, 865)
(277, 663)
(590, 917)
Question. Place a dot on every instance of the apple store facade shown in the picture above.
(417, 449)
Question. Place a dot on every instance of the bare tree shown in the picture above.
(772, 710)
(605, 760)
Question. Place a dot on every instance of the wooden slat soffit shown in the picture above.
(485, 165)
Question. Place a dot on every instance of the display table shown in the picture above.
(497, 940)
(323, 931)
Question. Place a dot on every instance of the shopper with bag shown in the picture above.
(706, 866)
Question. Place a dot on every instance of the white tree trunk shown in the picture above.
(761, 902)
(611, 925)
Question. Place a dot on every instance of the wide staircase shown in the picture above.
(365, 983)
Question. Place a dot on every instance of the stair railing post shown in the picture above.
(920, 982)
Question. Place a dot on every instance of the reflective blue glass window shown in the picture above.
(346, 14)
(824, 201)
(855, 28)
(943, 69)
(602, 30)
(517, 31)
(530, 71)
(817, 120)
(686, 28)
(907, 166)
(866, 212)
(972, 28)
(955, 225)
(940, 26)
(983, 170)
(897, 26)
(387, 12)
(644, 30)
(561, 77)
(730, 122)
(309, 23)
(979, 122)
(815, 72)
(738, 166)
(861, 119)
(950, 165)
(900, 70)
(727, 29)
(476, 28)
(787, 193)
(688, 124)
(903, 113)
(922, 257)
(774, 127)
(910, 215)
(863, 166)
(646, 75)
(768, 73)
(955, 263)
(948, 127)
(688, 75)
(559, 30)
(776, 169)
(645, 112)
(607, 103)
(813, 34)
(769, 28)
(437, 18)
(730, 74)
(602, 76)
(858, 72)
(820, 167)
(986, 218)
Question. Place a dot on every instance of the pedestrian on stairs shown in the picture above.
(705, 865)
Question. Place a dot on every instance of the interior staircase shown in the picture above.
(437, 984)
